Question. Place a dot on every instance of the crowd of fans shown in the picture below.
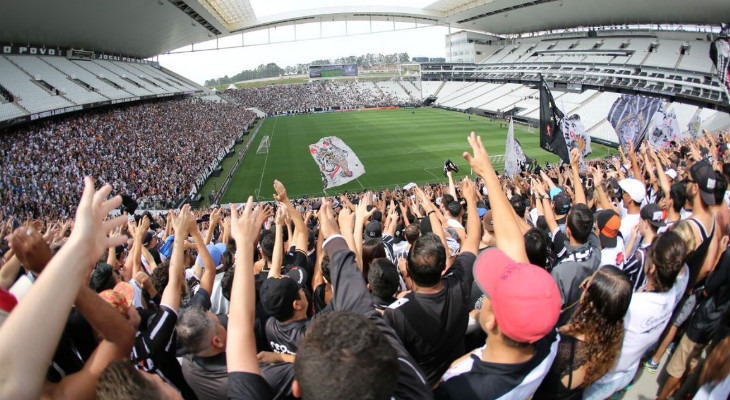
(553, 284)
(319, 95)
(152, 152)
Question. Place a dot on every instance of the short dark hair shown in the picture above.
(344, 355)
(580, 222)
(227, 282)
(383, 278)
(427, 260)
(160, 276)
(518, 203)
(454, 208)
(678, 194)
(267, 245)
(720, 187)
(195, 328)
(120, 380)
(667, 253)
(325, 265)
(536, 245)
(446, 199)
(413, 231)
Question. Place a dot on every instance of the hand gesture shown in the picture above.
(144, 225)
(280, 218)
(181, 222)
(215, 217)
(468, 190)
(244, 224)
(597, 177)
(30, 248)
(479, 162)
(361, 212)
(280, 192)
(346, 220)
(327, 219)
(574, 157)
(90, 227)
(142, 279)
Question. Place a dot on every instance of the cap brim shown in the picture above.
(608, 241)
(656, 224)
(708, 198)
(488, 267)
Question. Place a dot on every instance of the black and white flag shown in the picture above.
(630, 116)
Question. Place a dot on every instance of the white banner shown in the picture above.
(665, 129)
(337, 163)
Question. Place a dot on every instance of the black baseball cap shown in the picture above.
(374, 230)
(562, 203)
(653, 214)
(278, 295)
(703, 174)
(608, 223)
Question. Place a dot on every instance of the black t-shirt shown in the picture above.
(207, 376)
(319, 297)
(472, 378)
(572, 355)
(74, 348)
(708, 316)
(432, 326)
(245, 386)
(155, 350)
(284, 337)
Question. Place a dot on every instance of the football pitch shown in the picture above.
(395, 146)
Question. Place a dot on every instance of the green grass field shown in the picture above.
(395, 146)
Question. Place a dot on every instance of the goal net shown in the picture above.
(263, 146)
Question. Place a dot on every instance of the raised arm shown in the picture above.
(580, 195)
(663, 181)
(171, 294)
(452, 187)
(117, 336)
(507, 232)
(30, 334)
(301, 236)
(215, 217)
(241, 350)
(208, 278)
(277, 258)
(433, 216)
(473, 225)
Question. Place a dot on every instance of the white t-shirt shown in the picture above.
(721, 391)
(614, 255)
(218, 303)
(648, 315)
(628, 222)
(454, 223)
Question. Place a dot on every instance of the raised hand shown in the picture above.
(280, 218)
(479, 162)
(574, 157)
(346, 220)
(90, 227)
(280, 192)
(245, 225)
(181, 221)
(327, 222)
(30, 248)
(361, 212)
(468, 190)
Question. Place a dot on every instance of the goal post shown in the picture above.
(264, 145)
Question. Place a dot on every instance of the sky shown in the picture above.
(200, 66)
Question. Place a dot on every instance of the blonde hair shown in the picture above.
(684, 230)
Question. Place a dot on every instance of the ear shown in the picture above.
(295, 389)
(297, 304)
(369, 288)
(217, 342)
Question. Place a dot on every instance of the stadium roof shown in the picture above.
(145, 28)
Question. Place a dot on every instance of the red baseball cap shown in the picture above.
(7, 301)
(525, 299)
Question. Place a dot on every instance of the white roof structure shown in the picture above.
(145, 28)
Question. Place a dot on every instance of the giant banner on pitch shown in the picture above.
(630, 115)
(337, 163)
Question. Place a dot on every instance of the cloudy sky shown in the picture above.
(200, 66)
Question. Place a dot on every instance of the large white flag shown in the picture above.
(694, 128)
(665, 129)
(337, 163)
(514, 157)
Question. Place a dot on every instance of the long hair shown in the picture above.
(600, 318)
(717, 365)
(371, 249)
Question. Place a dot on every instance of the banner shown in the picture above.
(514, 157)
(694, 127)
(664, 130)
(631, 115)
(551, 121)
(337, 163)
(577, 137)
(720, 56)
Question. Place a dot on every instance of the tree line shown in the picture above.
(272, 70)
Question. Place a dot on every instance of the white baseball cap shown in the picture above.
(634, 187)
(671, 173)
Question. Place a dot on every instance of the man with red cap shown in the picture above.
(519, 312)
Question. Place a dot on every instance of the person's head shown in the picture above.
(608, 223)
(488, 237)
(717, 364)
(580, 223)
(634, 192)
(652, 218)
(102, 278)
(227, 283)
(383, 278)
(683, 228)
(120, 380)
(371, 249)
(201, 332)
(677, 196)
(150, 239)
(344, 356)
(720, 188)
(267, 246)
(446, 199)
(413, 231)
(701, 185)
(454, 208)
(536, 245)
(325, 265)
(665, 259)
(160, 276)
(283, 299)
(599, 316)
(561, 203)
(521, 303)
(518, 204)
(426, 260)
(374, 230)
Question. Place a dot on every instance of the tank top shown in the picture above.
(695, 260)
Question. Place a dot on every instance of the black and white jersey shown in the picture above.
(472, 378)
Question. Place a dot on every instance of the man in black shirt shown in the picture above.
(431, 320)
(383, 282)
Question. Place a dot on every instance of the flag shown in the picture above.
(577, 137)
(694, 127)
(665, 129)
(514, 157)
(630, 115)
(720, 56)
(337, 163)
(551, 134)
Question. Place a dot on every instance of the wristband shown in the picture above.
(430, 212)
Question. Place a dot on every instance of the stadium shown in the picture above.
(573, 98)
